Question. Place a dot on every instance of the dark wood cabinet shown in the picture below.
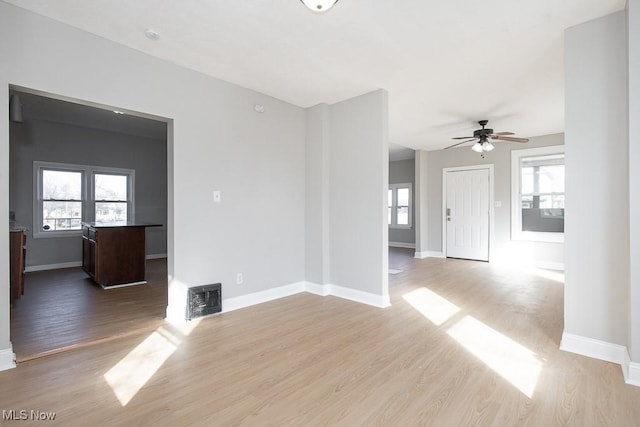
(114, 254)
(17, 253)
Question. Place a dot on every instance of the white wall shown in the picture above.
(502, 248)
(633, 29)
(597, 207)
(358, 188)
(421, 203)
(318, 140)
(219, 142)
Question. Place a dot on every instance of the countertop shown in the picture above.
(13, 226)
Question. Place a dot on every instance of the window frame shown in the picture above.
(516, 196)
(88, 194)
(394, 207)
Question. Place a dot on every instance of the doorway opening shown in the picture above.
(61, 307)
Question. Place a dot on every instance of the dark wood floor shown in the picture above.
(64, 308)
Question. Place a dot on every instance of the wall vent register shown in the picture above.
(204, 300)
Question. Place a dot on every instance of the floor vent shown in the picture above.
(204, 300)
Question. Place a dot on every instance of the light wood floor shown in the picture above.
(309, 360)
(65, 308)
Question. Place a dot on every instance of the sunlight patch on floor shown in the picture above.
(133, 371)
(431, 305)
(556, 276)
(512, 361)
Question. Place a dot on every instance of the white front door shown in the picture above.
(467, 214)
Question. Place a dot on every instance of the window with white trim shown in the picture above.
(400, 205)
(538, 194)
(65, 195)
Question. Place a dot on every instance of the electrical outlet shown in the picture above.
(239, 279)
(217, 196)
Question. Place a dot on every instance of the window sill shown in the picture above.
(54, 234)
(400, 227)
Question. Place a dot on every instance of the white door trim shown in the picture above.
(444, 202)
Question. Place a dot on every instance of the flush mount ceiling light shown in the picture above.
(319, 5)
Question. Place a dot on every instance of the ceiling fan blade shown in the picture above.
(460, 143)
(504, 133)
(510, 138)
(462, 137)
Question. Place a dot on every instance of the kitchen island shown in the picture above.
(114, 254)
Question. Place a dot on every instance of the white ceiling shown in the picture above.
(445, 64)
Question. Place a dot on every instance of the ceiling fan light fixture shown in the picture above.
(477, 147)
(487, 146)
(319, 6)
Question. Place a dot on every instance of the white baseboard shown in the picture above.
(30, 268)
(362, 297)
(380, 301)
(7, 359)
(429, 254)
(402, 245)
(593, 348)
(235, 303)
(603, 350)
(314, 288)
(633, 375)
(548, 265)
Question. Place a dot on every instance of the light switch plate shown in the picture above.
(217, 196)
(497, 204)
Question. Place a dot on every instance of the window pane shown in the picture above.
(61, 215)
(403, 215)
(390, 198)
(111, 187)
(111, 211)
(61, 185)
(403, 197)
(389, 215)
(526, 180)
(543, 213)
(542, 174)
(551, 179)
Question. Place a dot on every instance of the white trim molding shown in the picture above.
(516, 211)
(176, 315)
(429, 254)
(633, 375)
(593, 348)
(549, 265)
(402, 245)
(236, 303)
(603, 350)
(7, 359)
(380, 301)
(44, 267)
